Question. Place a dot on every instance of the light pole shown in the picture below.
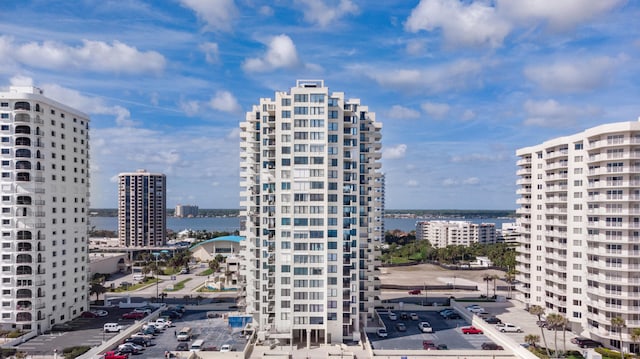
(426, 299)
(156, 254)
(454, 282)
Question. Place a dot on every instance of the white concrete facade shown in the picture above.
(142, 209)
(455, 233)
(45, 201)
(579, 216)
(312, 199)
(186, 210)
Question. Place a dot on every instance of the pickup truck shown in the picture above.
(115, 355)
(510, 328)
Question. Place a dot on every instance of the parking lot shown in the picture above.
(445, 331)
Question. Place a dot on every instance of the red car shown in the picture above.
(88, 315)
(415, 291)
(115, 355)
(133, 315)
(429, 345)
(471, 330)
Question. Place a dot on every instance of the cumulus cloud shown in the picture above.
(281, 53)
(436, 110)
(456, 75)
(575, 75)
(218, 15)
(471, 180)
(224, 101)
(412, 183)
(211, 52)
(400, 112)
(468, 115)
(190, 108)
(395, 152)
(96, 56)
(479, 157)
(484, 23)
(550, 113)
(21, 80)
(474, 24)
(324, 13)
(448, 182)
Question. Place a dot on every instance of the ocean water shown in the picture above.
(230, 224)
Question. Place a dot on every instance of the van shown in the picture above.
(197, 345)
(112, 327)
(184, 334)
(138, 277)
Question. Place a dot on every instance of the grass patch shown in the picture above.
(206, 272)
(74, 352)
(178, 286)
(147, 281)
(400, 260)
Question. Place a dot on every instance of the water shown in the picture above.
(231, 224)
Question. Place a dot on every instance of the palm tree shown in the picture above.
(555, 321)
(635, 335)
(509, 277)
(494, 278)
(532, 339)
(487, 278)
(97, 289)
(618, 323)
(539, 312)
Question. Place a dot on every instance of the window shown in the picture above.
(286, 102)
(286, 114)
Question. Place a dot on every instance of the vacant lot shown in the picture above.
(420, 274)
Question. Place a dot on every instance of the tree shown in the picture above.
(635, 335)
(509, 277)
(487, 278)
(619, 324)
(539, 312)
(214, 265)
(555, 321)
(97, 289)
(532, 339)
(494, 278)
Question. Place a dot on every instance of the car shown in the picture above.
(393, 316)
(508, 328)
(415, 291)
(178, 308)
(425, 327)
(404, 316)
(476, 310)
(442, 347)
(157, 327)
(182, 347)
(133, 315)
(491, 346)
(446, 312)
(429, 345)
(401, 327)
(472, 306)
(150, 330)
(382, 333)
(452, 315)
(135, 347)
(414, 316)
(88, 315)
(141, 341)
(63, 327)
(127, 350)
(99, 312)
(588, 343)
(173, 315)
(225, 348)
(163, 322)
(115, 355)
(142, 335)
(471, 330)
(493, 320)
(146, 311)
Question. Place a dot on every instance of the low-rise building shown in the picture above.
(446, 233)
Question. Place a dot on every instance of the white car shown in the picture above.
(136, 347)
(146, 311)
(99, 312)
(508, 328)
(477, 310)
(164, 322)
(414, 316)
(225, 348)
(382, 333)
(393, 316)
(425, 327)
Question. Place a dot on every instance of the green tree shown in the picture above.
(487, 278)
(635, 335)
(539, 312)
(97, 289)
(532, 339)
(555, 322)
(619, 324)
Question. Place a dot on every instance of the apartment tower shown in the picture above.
(186, 211)
(312, 200)
(45, 200)
(142, 209)
(579, 218)
(441, 234)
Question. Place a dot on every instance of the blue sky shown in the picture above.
(458, 85)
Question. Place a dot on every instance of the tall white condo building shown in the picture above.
(45, 199)
(579, 217)
(312, 199)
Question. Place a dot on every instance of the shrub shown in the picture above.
(14, 334)
(614, 354)
(74, 352)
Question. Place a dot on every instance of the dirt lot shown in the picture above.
(431, 274)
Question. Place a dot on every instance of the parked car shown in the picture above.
(142, 341)
(99, 312)
(62, 327)
(146, 311)
(425, 327)
(131, 345)
(171, 314)
(182, 347)
(401, 327)
(88, 315)
(178, 308)
(225, 348)
(382, 333)
(452, 315)
(444, 313)
(393, 316)
(493, 320)
(133, 315)
(429, 345)
(442, 347)
(414, 316)
(115, 355)
(491, 346)
(508, 328)
(142, 335)
(150, 330)
(471, 330)
(164, 323)
(404, 316)
(587, 343)
(476, 310)
(415, 291)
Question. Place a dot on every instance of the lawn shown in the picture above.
(147, 282)
(178, 286)
(206, 272)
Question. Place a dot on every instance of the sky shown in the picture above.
(457, 85)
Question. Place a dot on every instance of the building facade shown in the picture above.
(312, 200)
(186, 211)
(455, 233)
(45, 201)
(579, 218)
(142, 209)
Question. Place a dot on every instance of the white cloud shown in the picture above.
(190, 108)
(475, 24)
(94, 56)
(550, 113)
(416, 46)
(281, 53)
(412, 183)
(448, 182)
(217, 14)
(479, 157)
(575, 75)
(471, 180)
(224, 101)
(468, 115)
(401, 112)
(323, 14)
(265, 10)
(436, 110)
(21, 80)
(211, 52)
(456, 75)
(395, 152)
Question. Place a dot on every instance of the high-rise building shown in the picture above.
(441, 234)
(45, 200)
(142, 209)
(579, 218)
(183, 210)
(312, 201)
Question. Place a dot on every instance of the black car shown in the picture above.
(64, 327)
(491, 346)
(587, 343)
(139, 341)
(182, 347)
(404, 316)
(453, 315)
(493, 320)
(171, 314)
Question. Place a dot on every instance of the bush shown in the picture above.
(7, 352)
(14, 334)
(614, 354)
(74, 352)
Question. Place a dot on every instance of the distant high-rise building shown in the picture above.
(455, 233)
(183, 210)
(45, 206)
(579, 218)
(142, 209)
(312, 207)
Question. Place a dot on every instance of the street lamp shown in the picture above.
(156, 254)
(426, 301)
